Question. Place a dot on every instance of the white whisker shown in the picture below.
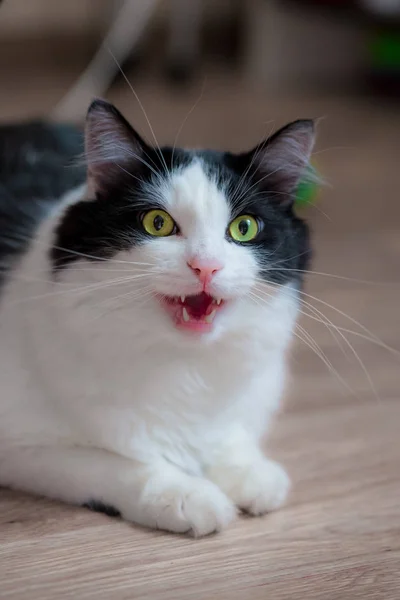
(334, 276)
(81, 289)
(238, 189)
(158, 150)
(346, 341)
(185, 120)
(312, 344)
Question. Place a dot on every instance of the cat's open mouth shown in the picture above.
(194, 313)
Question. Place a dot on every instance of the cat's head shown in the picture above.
(202, 230)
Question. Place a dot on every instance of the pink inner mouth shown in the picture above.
(193, 313)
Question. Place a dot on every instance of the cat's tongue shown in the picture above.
(197, 306)
(197, 313)
(193, 313)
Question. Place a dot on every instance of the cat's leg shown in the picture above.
(253, 482)
(157, 495)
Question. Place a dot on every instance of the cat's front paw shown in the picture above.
(194, 506)
(258, 488)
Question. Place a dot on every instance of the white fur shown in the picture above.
(103, 399)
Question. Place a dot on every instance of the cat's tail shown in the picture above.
(122, 36)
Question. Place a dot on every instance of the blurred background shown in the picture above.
(224, 74)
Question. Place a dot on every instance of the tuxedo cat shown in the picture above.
(144, 322)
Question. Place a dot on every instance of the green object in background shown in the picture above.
(307, 190)
(384, 50)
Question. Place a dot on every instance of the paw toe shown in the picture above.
(265, 489)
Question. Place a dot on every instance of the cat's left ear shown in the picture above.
(281, 161)
(112, 147)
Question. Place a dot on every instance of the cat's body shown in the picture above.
(113, 395)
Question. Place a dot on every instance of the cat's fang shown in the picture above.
(185, 315)
(218, 301)
(183, 298)
(210, 318)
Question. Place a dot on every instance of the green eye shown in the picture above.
(158, 223)
(244, 228)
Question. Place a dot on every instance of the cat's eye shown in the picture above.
(244, 228)
(158, 223)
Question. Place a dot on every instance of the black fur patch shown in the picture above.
(35, 171)
(98, 506)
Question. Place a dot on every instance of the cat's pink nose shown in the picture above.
(205, 269)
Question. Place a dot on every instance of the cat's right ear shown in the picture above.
(112, 146)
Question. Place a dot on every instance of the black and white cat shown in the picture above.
(143, 329)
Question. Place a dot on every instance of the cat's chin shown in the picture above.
(195, 314)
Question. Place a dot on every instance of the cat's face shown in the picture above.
(205, 228)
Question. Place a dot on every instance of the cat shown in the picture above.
(144, 328)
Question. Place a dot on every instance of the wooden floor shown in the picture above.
(339, 536)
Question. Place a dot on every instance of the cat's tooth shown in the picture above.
(210, 318)
(218, 301)
(185, 315)
(183, 298)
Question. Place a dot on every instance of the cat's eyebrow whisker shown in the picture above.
(158, 150)
(237, 191)
(98, 157)
(256, 183)
(261, 194)
(182, 125)
(239, 194)
(137, 157)
(128, 173)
